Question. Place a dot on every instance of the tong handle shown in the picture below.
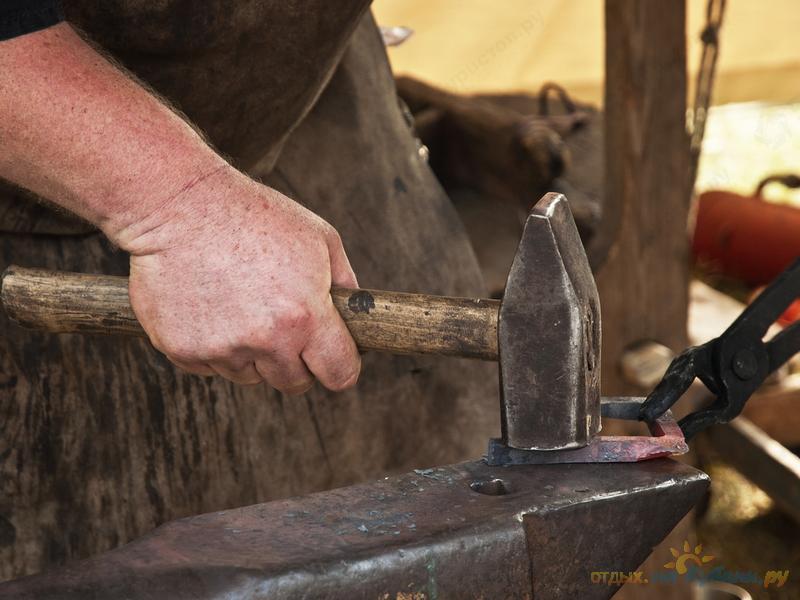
(756, 319)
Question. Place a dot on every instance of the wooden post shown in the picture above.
(644, 283)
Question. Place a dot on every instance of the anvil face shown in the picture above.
(549, 336)
(459, 531)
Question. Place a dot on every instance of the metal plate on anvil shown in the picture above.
(665, 439)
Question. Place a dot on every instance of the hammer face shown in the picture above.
(549, 336)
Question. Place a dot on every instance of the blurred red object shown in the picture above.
(745, 237)
(791, 314)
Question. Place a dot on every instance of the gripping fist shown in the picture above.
(233, 278)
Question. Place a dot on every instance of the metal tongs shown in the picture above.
(736, 363)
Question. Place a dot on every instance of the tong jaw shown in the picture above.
(736, 363)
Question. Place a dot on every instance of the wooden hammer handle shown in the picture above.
(61, 302)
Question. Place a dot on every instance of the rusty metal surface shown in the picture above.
(666, 440)
(462, 531)
(549, 336)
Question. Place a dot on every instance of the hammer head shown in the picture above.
(549, 336)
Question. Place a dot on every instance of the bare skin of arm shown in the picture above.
(227, 276)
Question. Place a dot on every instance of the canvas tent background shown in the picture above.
(479, 45)
(516, 45)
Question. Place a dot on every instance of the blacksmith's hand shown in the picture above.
(232, 277)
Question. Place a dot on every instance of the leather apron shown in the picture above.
(102, 439)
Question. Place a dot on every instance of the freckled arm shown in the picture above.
(79, 131)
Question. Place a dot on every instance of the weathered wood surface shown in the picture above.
(776, 410)
(102, 438)
(64, 302)
(396, 322)
(643, 365)
(420, 324)
(765, 462)
(644, 283)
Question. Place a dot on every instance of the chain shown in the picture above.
(705, 81)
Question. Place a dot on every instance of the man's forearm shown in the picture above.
(227, 276)
(78, 131)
